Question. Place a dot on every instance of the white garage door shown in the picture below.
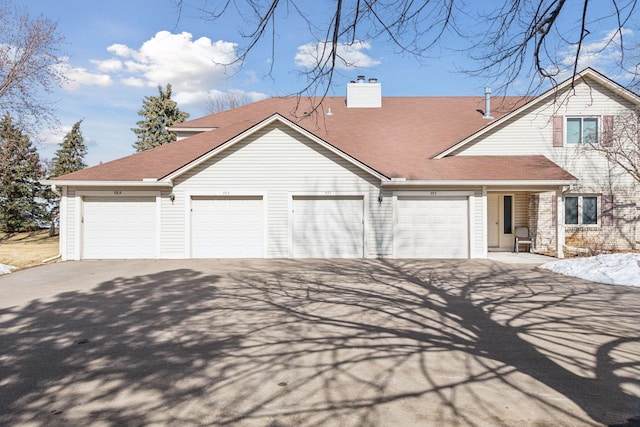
(226, 227)
(430, 227)
(328, 227)
(119, 227)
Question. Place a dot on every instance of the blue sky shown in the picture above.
(119, 51)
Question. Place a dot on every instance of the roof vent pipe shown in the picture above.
(487, 103)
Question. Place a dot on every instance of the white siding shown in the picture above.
(72, 248)
(278, 163)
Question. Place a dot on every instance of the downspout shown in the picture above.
(59, 255)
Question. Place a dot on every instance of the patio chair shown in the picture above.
(522, 238)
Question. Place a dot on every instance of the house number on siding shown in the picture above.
(117, 193)
(434, 193)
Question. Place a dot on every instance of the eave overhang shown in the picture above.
(478, 183)
(68, 183)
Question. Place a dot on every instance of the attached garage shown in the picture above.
(119, 227)
(432, 227)
(328, 227)
(227, 227)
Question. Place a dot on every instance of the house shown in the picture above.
(365, 176)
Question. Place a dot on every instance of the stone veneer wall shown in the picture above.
(622, 235)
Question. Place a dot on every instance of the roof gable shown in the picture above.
(585, 75)
(166, 162)
(261, 125)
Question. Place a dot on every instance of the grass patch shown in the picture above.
(27, 249)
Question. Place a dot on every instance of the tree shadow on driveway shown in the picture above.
(322, 342)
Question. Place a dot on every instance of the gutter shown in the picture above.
(470, 183)
(85, 183)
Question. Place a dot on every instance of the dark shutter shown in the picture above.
(607, 210)
(607, 131)
(558, 126)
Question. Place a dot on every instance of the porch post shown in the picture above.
(485, 242)
(559, 224)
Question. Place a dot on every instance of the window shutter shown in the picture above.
(557, 131)
(607, 210)
(607, 131)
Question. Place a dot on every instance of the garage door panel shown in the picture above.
(328, 227)
(430, 227)
(227, 227)
(119, 227)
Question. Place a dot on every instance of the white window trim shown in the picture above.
(566, 132)
(580, 197)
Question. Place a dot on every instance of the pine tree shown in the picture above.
(70, 156)
(158, 113)
(20, 171)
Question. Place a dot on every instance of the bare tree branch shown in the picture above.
(515, 41)
(28, 60)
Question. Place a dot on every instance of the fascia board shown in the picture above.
(191, 129)
(463, 183)
(62, 183)
(257, 127)
(587, 73)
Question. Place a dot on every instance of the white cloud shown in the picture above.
(604, 54)
(203, 97)
(108, 65)
(191, 97)
(133, 81)
(350, 55)
(189, 65)
(193, 67)
(120, 50)
(53, 136)
(78, 76)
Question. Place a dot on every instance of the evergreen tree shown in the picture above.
(158, 113)
(70, 156)
(20, 171)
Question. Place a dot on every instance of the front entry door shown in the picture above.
(500, 221)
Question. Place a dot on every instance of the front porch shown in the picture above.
(535, 209)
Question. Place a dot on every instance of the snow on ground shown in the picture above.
(614, 269)
(5, 269)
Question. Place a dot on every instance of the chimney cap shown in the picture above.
(373, 80)
(360, 79)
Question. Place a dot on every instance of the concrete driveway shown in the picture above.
(315, 343)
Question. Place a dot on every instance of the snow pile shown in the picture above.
(5, 269)
(614, 269)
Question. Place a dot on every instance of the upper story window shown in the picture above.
(581, 130)
(573, 131)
